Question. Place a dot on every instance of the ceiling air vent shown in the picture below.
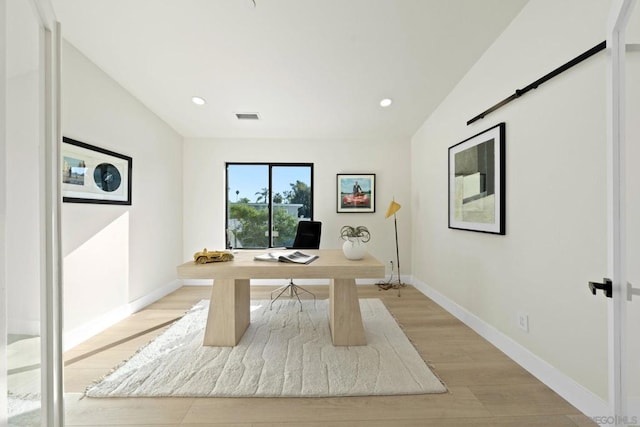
(247, 116)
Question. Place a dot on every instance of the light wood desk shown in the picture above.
(229, 306)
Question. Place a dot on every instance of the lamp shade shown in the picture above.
(393, 208)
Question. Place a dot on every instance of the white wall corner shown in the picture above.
(82, 333)
(586, 401)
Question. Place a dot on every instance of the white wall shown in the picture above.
(555, 191)
(204, 188)
(114, 255)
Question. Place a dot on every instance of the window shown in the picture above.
(265, 201)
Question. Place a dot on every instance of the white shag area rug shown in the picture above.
(285, 352)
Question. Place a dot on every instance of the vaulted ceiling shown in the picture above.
(310, 69)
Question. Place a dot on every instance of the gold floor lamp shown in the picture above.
(393, 208)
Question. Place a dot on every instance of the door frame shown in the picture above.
(616, 205)
(51, 207)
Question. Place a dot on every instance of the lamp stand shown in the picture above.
(395, 223)
(389, 284)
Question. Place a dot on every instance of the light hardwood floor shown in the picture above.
(486, 388)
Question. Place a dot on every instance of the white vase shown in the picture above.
(354, 249)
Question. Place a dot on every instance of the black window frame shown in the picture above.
(270, 166)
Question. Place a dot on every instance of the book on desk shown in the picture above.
(295, 257)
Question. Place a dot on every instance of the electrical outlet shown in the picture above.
(523, 321)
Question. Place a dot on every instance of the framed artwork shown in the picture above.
(477, 182)
(356, 193)
(94, 175)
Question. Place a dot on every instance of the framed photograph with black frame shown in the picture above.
(92, 174)
(356, 193)
(477, 182)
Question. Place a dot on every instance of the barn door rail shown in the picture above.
(519, 92)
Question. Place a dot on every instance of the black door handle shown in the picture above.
(607, 287)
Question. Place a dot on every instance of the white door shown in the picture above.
(624, 213)
(631, 336)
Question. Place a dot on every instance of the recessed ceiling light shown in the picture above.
(198, 100)
(385, 102)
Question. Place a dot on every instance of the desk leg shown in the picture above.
(345, 317)
(229, 312)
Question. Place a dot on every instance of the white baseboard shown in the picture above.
(82, 333)
(154, 296)
(586, 401)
